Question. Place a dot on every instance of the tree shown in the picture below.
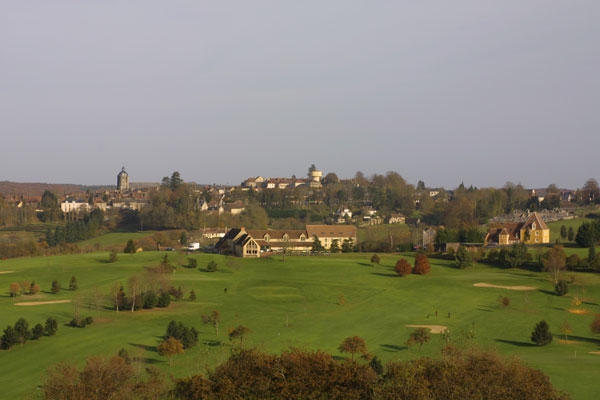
(463, 257)
(187, 336)
(129, 247)
(14, 289)
(335, 246)
(347, 246)
(419, 336)
(50, 327)
(192, 263)
(563, 232)
(566, 329)
(22, 330)
(517, 255)
(239, 333)
(595, 325)
(570, 234)
(170, 347)
(9, 338)
(55, 287)
(34, 288)
(37, 332)
(353, 345)
(192, 295)
(541, 334)
(561, 288)
(317, 246)
(422, 266)
(402, 267)
(375, 259)
(554, 261)
(212, 266)
(112, 256)
(592, 259)
(213, 319)
(73, 283)
(590, 191)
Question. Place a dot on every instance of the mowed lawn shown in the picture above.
(307, 302)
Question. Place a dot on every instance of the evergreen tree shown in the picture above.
(129, 247)
(22, 330)
(463, 257)
(51, 327)
(541, 335)
(73, 283)
(9, 338)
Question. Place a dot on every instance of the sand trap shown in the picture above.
(594, 352)
(579, 311)
(41, 303)
(563, 341)
(432, 328)
(6, 272)
(481, 284)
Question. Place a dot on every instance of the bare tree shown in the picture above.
(554, 261)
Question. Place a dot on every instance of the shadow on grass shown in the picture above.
(515, 343)
(589, 303)
(548, 292)
(393, 348)
(579, 339)
(366, 264)
(144, 347)
(486, 309)
(388, 275)
(212, 343)
(146, 360)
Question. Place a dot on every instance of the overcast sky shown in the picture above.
(480, 92)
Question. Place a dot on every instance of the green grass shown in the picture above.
(297, 302)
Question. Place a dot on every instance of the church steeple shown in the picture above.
(122, 180)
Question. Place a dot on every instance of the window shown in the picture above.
(533, 226)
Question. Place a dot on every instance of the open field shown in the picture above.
(312, 302)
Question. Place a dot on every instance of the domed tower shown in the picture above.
(122, 181)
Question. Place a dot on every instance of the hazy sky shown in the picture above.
(478, 91)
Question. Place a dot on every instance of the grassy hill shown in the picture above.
(312, 302)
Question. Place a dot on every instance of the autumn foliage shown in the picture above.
(422, 266)
(402, 267)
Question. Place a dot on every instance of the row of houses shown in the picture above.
(253, 243)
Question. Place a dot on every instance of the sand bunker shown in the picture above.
(432, 328)
(41, 303)
(579, 311)
(481, 284)
(6, 272)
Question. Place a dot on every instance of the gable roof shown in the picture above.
(323, 231)
(539, 222)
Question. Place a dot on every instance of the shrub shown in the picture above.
(375, 259)
(37, 332)
(504, 301)
(55, 287)
(402, 267)
(561, 288)
(212, 266)
(422, 266)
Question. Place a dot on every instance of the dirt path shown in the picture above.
(41, 303)
(432, 328)
(489, 285)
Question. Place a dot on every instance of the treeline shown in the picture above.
(75, 231)
(300, 374)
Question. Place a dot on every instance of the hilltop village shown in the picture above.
(272, 214)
